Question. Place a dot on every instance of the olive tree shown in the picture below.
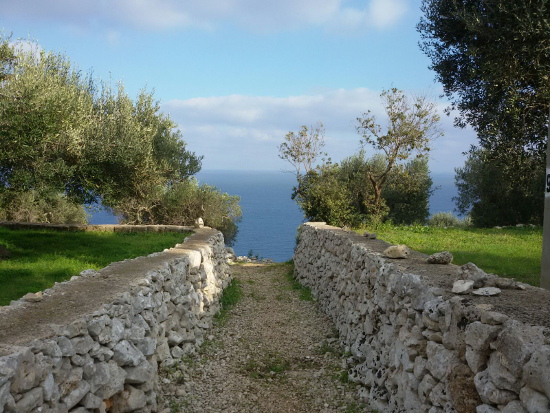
(412, 124)
(302, 149)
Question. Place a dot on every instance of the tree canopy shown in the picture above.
(493, 60)
(67, 138)
(392, 184)
(412, 124)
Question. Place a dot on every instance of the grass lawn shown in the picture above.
(39, 258)
(508, 252)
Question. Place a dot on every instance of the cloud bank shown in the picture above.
(243, 132)
(208, 14)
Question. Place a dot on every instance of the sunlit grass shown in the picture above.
(229, 299)
(39, 258)
(509, 252)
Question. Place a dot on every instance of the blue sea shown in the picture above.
(270, 216)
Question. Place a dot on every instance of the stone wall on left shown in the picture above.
(94, 344)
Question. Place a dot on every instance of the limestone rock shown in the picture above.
(77, 394)
(487, 291)
(129, 400)
(112, 377)
(440, 360)
(91, 401)
(463, 286)
(444, 257)
(478, 337)
(199, 223)
(30, 400)
(88, 273)
(397, 251)
(485, 408)
(536, 373)
(139, 374)
(493, 318)
(533, 400)
(230, 254)
(516, 343)
(33, 297)
(489, 393)
(500, 374)
(471, 272)
(515, 406)
(126, 354)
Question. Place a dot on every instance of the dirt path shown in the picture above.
(274, 353)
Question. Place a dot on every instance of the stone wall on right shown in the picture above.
(414, 345)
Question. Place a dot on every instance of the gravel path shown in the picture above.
(274, 353)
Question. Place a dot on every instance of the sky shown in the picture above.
(238, 75)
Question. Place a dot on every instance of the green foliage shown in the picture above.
(391, 185)
(133, 154)
(45, 110)
(304, 292)
(408, 192)
(321, 196)
(182, 203)
(302, 149)
(271, 365)
(412, 123)
(341, 195)
(39, 257)
(444, 219)
(230, 297)
(65, 138)
(7, 58)
(495, 195)
(52, 208)
(491, 57)
(508, 252)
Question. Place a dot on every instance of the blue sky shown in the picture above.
(237, 75)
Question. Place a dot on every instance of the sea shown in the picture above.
(270, 217)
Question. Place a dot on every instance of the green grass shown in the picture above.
(230, 297)
(509, 252)
(303, 292)
(39, 258)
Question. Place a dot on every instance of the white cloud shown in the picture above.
(207, 14)
(384, 13)
(243, 132)
(26, 46)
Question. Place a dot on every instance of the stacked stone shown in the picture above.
(108, 360)
(413, 350)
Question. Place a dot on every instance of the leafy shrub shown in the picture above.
(51, 208)
(447, 220)
(343, 195)
(184, 202)
(443, 219)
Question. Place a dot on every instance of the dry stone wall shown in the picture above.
(95, 343)
(415, 346)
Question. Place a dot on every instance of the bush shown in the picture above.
(51, 208)
(343, 194)
(447, 220)
(498, 192)
(182, 203)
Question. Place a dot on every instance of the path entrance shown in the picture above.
(275, 352)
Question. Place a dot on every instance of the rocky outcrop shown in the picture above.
(95, 343)
(414, 345)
